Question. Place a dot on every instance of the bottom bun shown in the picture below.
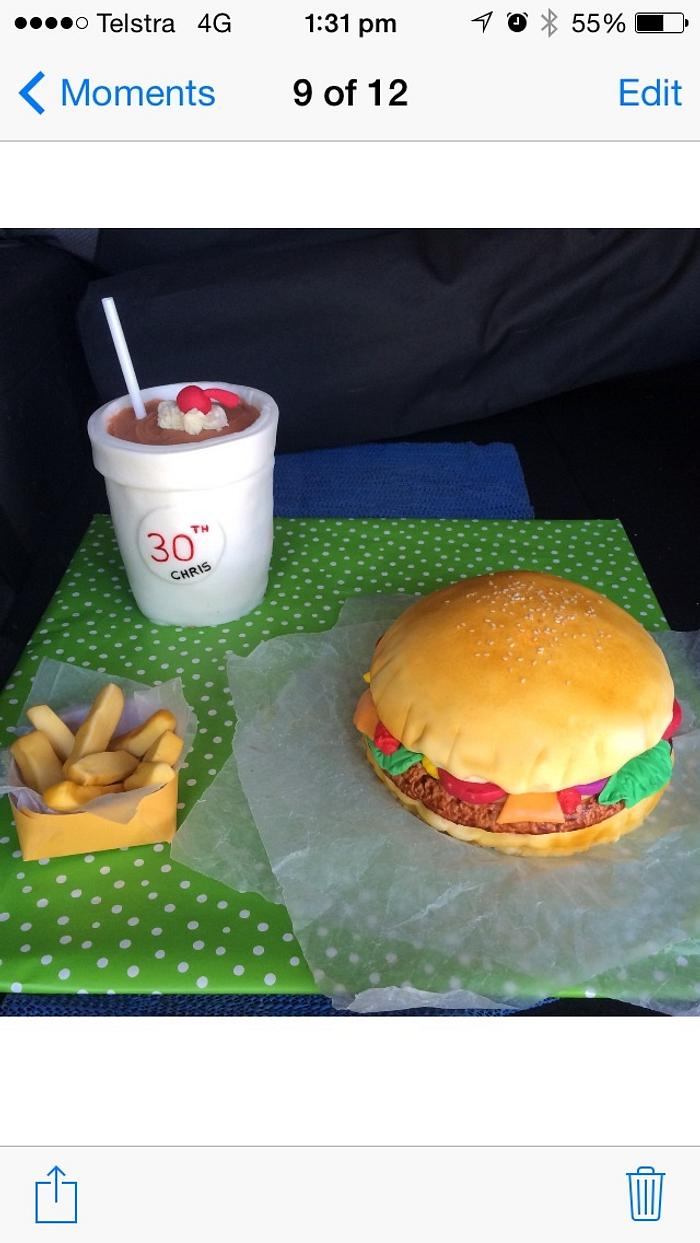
(536, 845)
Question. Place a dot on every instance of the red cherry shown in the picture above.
(471, 791)
(384, 741)
(675, 721)
(192, 397)
(569, 800)
(224, 397)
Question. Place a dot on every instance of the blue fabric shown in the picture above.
(416, 480)
(133, 1006)
(402, 481)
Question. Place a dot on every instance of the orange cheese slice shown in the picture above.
(365, 717)
(535, 807)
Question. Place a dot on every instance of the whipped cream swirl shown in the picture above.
(171, 418)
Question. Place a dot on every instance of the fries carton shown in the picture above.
(137, 816)
(45, 836)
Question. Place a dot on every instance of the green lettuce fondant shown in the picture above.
(397, 763)
(640, 777)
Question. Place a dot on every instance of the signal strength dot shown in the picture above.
(51, 23)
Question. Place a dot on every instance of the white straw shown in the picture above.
(124, 357)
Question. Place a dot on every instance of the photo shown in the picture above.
(349, 622)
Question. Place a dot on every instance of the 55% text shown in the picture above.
(592, 23)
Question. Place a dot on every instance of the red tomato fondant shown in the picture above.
(384, 741)
(471, 791)
(569, 800)
(675, 721)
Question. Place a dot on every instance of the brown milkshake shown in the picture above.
(125, 426)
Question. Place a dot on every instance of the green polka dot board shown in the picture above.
(130, 920)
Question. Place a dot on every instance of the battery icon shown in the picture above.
(660, 23)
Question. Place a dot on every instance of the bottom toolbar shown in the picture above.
(412, 1193)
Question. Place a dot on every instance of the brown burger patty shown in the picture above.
(418, 784)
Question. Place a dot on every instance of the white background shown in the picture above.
(480, 1081)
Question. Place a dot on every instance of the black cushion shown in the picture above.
(373, 336)
(45, 390)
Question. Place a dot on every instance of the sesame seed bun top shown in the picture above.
(528, 680)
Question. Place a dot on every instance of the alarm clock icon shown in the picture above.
(517, 22)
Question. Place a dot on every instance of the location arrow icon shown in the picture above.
(484, 19)
(27, 95)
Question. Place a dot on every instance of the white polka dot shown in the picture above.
(125, 944)
(258, 950)
(156, 932)
(270, 979)
(15, 988)
(238, 969)
(102, 962)
(133, 971)
(64, 973)
(244, 914)
(182, 967)
(202, 981)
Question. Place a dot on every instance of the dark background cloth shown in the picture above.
(369, 336)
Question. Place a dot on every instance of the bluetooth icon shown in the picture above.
(549, 23)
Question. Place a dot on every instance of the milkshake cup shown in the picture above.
(193, 521)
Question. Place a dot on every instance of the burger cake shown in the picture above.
(521, 711)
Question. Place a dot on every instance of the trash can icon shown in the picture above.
(645, 1188)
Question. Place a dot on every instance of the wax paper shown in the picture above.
(391, 914)
(70, 692)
